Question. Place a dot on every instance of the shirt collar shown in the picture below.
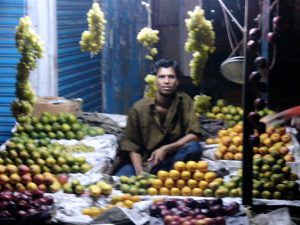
(151, 101)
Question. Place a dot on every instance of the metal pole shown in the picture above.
(232, 17)
(247, 129)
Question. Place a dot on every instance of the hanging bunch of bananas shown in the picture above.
(148, 37)
(202, 104)
(31, 48)
(93, 40)
(151, 87)
(200, 41)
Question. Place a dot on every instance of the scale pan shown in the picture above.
(232, 69)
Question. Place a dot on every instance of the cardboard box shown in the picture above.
(55, 105)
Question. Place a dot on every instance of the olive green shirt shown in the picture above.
(144, 133)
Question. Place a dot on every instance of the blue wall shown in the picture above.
(79, 75)
(10, 12)
(123, 65)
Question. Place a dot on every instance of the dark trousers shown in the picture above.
(190, 151)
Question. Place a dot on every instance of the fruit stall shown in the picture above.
(55, 166)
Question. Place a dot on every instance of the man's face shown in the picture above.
(166, 81)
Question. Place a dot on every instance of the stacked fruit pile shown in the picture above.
(230, 143)
(125, 201)
(136, 185)
(229, 113)
(31, 178)
(272, 176)
(187, 179)
(98, 189)
(21, 205)
(61, 126)
(274, 143)
(48, 157)
(189, 211)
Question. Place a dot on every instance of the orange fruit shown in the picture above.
(192, 183)
(169, 183)
(174, 174)
(233, 148)
(210, 141)
(128, 204)
(186, 191)
(179, 165)
(226, 140)
(197, 191)
(125, 197)
(237, 140)
(222, 133)
(198, 175)
(162, 174)
(218, 154)
(152, 191)
(202, 166)
(164, 191)
(233, 134)
(210, 176)
(180, 183)
(228, 156)
(185, 175)
(135, 198)
(238, 156)
(203, 184)
(191, 166)
(222, 149)
(238, 128)
(175, 191)
(157, 183)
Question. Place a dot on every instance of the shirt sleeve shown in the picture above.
(191, 120)
(131, 139)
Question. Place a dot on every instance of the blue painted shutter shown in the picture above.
(124, 66)
(10, 12)
(79, 76)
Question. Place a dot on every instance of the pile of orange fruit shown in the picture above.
(186, 179)
(231, 143)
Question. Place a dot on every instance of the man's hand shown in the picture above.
(158, 155)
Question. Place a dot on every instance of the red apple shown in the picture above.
(252, 45)
(253, 117)
(259, 103)
(261, 62)
(254, 34)
(255, 77)
(273, 37)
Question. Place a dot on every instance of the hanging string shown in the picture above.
(149, 11)
(200, 3)
(274, 45)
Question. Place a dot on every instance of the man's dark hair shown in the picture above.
(167, 63)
